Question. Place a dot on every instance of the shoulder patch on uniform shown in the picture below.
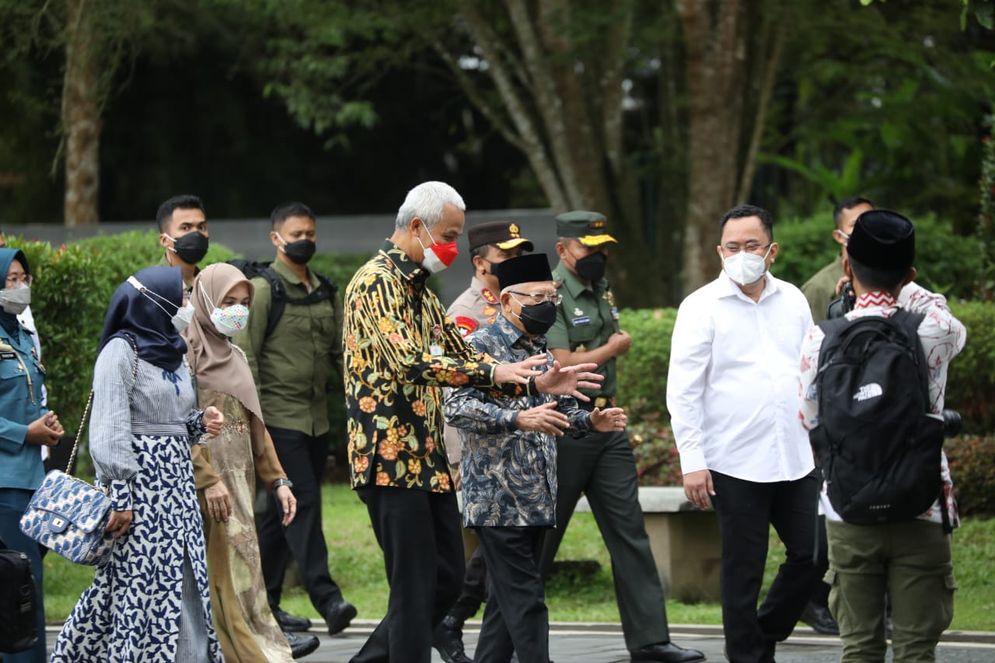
(465, 325)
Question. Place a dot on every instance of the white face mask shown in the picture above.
(15, 300)
(184, 314)
(230, 320)
(746, 268)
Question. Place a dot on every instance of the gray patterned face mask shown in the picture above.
(15, 300)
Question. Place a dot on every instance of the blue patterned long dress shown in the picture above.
(149, 603)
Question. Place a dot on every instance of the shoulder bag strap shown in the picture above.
(89, 404)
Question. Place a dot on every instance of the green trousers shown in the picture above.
(908, 561)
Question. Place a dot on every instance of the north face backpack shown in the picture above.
(877, 445)
(18, 601)
(250, 268)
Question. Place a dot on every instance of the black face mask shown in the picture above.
(538, 318)
(191, 248)
(592, 267)
(300, 251)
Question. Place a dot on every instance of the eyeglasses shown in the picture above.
(24, 279)
(539, 297)
(749, 247)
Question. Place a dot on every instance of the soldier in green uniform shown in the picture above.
(820, 290)
(601, 465)
(292, 364)
(183, 235)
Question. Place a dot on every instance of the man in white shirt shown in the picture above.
(908, 560)
(732, 392)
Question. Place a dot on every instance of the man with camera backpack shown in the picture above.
(872, 388)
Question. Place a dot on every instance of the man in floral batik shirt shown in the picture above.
(400, 350)
(509, 463)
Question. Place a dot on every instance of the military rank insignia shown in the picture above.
(488, 296)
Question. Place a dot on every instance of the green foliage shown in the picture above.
(72, 287)
(972, 465)
(947, 262)
(971, 381)
(642, 372)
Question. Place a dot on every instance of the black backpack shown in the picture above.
(877, 445)
(18, 602)
(324, 292)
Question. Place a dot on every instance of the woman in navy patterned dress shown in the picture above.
(149, 602)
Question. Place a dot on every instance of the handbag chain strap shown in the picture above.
(89, 404)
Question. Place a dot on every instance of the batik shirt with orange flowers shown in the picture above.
(400, 350)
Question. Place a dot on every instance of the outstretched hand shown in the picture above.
(519, 372)
(570, 380)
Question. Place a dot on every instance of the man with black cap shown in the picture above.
(509, 463)
(907, 559)
(476, 307)
(183, 235)
(601, 464)
(490, 244)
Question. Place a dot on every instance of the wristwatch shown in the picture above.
(282, 482)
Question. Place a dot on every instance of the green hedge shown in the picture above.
(947, 262)
(73, 285)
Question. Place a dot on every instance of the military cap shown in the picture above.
(529, 268)
(589, 228)
(503, 234)
(883, 240)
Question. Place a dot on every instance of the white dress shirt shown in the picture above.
(732, 388)
(28, 322)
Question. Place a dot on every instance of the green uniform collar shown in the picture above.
(285, 272)
(573, 284)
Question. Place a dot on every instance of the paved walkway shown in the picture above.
(602, 643)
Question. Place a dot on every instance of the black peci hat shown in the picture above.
(882, 239)
(529, 268)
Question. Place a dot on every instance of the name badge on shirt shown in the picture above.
(8, 355)
(435, 350)
(581, 321)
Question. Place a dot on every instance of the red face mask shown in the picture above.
(437, 256)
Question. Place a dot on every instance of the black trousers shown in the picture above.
(746, 509)
(303, 459)
(474, 591)
(419, 533)
(601, 466)
(516, 619)
(820, 592)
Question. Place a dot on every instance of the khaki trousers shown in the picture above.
(908, 561)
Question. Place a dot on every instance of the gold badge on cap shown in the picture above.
(513, 231)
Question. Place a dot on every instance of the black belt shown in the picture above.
(597, 402)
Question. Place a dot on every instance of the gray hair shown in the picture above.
(426, 201)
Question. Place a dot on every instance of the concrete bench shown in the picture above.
(685, 543)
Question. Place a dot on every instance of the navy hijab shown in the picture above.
(7, 256)
(136, 315)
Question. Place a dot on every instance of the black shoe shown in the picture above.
(447, 638)
(820, 619)
(291, 623)
(301, 645)
(666, 651)
(338, 615)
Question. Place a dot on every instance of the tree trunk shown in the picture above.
(716, 58)
(81, 122)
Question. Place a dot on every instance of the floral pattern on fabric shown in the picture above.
(400, 350)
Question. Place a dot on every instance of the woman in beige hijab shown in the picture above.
(225, 471)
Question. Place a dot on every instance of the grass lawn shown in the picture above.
(357, 565)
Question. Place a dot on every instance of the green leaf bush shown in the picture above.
(947, 262)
